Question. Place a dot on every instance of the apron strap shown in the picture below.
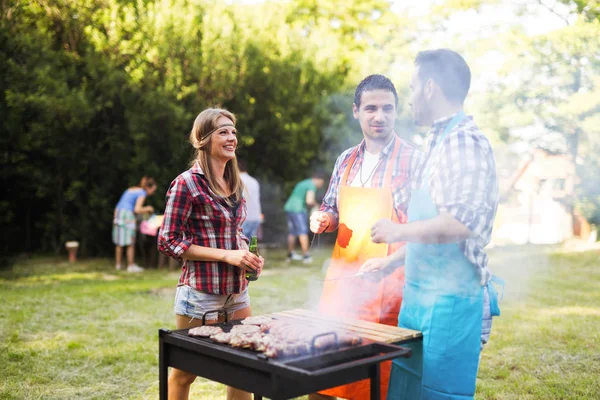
(387, 181)
(451, 125)
(348, 167)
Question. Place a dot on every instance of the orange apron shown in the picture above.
(359, 208)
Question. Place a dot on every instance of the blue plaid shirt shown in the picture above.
(464, 184)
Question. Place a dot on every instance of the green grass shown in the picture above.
(85, 331)
(546, 344)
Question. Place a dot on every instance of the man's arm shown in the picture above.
(378, 268)
(465, 185)
(310, 198)
(443, 228)
(461, 192)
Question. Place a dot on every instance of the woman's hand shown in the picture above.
(245, 260)
(319, 222)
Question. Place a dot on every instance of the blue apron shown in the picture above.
(443, 298)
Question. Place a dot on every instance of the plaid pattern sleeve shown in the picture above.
(171, 240)
(403, 170)
(330, 200)
(464, 184)
(195, 215)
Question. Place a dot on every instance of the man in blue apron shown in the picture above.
(453, 203)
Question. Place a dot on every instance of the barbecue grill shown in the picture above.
(291, 376)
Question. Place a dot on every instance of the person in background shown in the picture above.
(448, 295)
(202, 227)
(124, 221)
(252, 196)
(303, 195)
(370, 181)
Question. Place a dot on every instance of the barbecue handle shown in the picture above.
(393, 351)
(313, 343)
(219, 311)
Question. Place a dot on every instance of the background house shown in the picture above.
(537, 202)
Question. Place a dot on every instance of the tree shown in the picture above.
(553, 81)
(97, 93)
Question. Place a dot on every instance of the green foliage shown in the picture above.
(588, 9)
(98, 93)
(588, 192)
(551, 83)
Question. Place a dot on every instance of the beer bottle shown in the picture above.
(252, 275)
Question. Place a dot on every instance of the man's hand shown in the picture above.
(377, 269)
(386, 231)
(374, 264)
(319, 222)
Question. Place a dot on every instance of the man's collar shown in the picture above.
(390, 146)
(362, 147)
(442, 121)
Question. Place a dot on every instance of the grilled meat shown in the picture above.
(257, 320)
(245, 329)
(222, 337)
(205, 331)
(281, 338)
(251, 341)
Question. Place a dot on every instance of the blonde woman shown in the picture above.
(124, 224)
(203, 228)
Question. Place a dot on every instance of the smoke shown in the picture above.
(366, 298)
(519, 266)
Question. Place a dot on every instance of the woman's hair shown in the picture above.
(147, 182)
(200, 137)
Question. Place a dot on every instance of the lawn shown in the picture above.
(85, 331)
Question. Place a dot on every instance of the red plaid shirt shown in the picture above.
(195, 215)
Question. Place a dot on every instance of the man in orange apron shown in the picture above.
(369, 182)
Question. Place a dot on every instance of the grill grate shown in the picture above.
(288, 376)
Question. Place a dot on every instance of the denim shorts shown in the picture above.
(297, 223)
(194, 303)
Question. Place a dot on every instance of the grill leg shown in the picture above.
(375, 388)
(163, 372)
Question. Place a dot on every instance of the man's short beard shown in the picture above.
(382, 139)
(422, 118)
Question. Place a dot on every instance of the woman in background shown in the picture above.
(124, 223)
(202, 227)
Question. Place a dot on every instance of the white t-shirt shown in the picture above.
(252, 195)
(368, 167)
